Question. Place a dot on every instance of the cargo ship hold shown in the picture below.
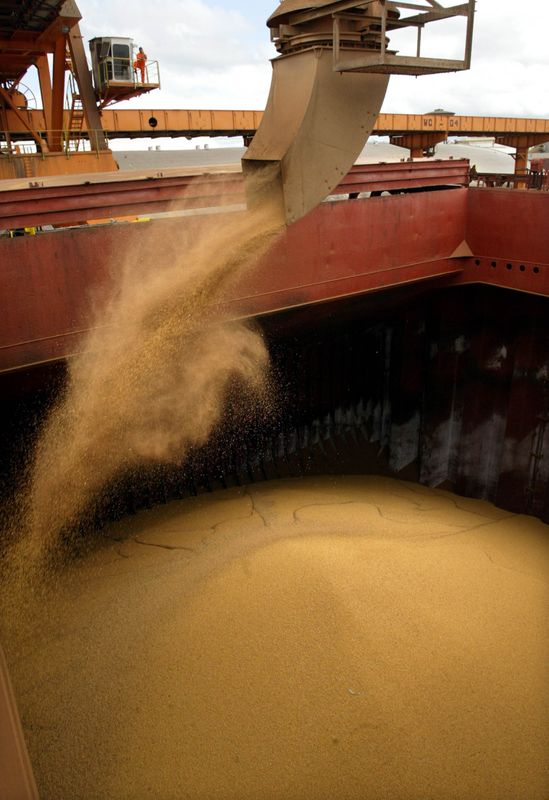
(403, 304)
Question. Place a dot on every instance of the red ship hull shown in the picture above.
(390, 282)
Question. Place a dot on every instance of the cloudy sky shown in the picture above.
(215, 54)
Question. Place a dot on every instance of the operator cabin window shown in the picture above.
(121, 62)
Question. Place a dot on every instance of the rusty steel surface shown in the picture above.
(358, 246)
(50, 281)
(341, 248)
(508, 235)
(16, 778)
(512, 225)
(68, 205)
(57, 203)
(405, 175)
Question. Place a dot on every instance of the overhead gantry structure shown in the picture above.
(32, 32)
(28, 29)
(328, 85)
(419, 133)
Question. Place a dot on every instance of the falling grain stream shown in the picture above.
(329, 637)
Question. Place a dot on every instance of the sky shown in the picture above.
(215, 54)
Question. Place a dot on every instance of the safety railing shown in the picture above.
(114, 72)
(527, 179)
(395, 17)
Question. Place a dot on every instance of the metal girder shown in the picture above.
(6, 101)
(28, 33)
(29, 15)
(155, 123)
(68, 204)
(419, 144)
(58, 94)
(87, 93)
(436, 14)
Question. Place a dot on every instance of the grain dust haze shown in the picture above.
(153, 375)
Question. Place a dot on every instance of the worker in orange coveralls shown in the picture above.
(140, 63)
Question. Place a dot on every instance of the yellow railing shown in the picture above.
(114, 71)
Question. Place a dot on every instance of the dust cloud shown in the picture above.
(153, 375)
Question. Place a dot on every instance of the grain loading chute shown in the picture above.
(328, 86)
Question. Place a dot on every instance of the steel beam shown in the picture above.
(22, 204)
(92, 116)
(58, 94)
(154, 123)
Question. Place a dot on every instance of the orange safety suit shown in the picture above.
(140, 62)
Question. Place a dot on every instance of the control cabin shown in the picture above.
(114, 75)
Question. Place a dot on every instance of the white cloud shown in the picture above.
(206, 89)
(509, 73)
(212, 56)
(183, 35)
